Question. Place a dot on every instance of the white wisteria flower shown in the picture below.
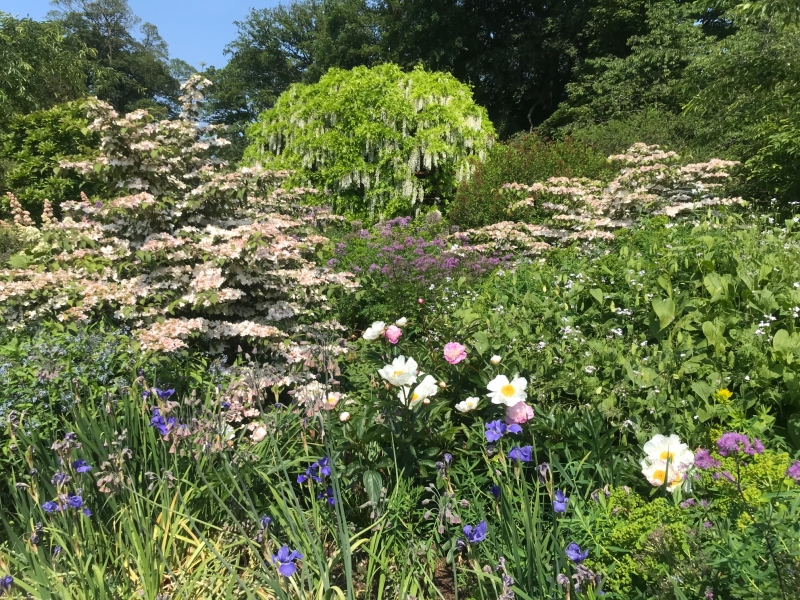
(467, 405)
(426, 388)
(401, 372)
(374, 331)
(656, 474)
(503, 391)
(669, 448)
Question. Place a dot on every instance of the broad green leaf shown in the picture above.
(665, 311)
(373, 484)
(481, 342)
(597, 294)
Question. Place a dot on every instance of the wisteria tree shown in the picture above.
(378, 141)
(189, 248)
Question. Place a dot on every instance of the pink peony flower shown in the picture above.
(393, 333)
(518, 413)
(454, 352)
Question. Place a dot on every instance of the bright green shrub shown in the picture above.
(378, 141)
(524, 159)
(32, 146)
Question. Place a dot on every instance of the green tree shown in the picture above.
(42, 65)
(378, 141)
(131, 73)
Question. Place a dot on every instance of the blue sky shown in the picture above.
(196, 30)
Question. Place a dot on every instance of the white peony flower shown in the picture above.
(344, 416)
(374, 331)
(401, 322)
(663, 448)
(503, 391)
(656, 474)
(401, 372)
(495, 360)
(467, 405)
(423, 391)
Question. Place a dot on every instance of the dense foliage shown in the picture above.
(378, 141)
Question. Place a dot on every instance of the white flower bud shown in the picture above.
(344, 416)
(495, 360)
(402, 322)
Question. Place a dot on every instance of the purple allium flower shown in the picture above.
(560, 501)
(733, 442)
(81, 466)
(793, 472)
(709, 595)
(327, 495)
(524, 454)
(59, 478)
(265, 521)
(285, 560)
(333, 262)
(688, 503)
(74, 501)
(704, 460)
(50, 507)
(708, 524)
(476, 534)
(5, 583)
(704, 503)
(497, 429)
(575, 554)
(494, 490)
(86, 512)
(164, 394)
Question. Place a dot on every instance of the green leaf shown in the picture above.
(665, 311)
(597, 294)
(715, 334)
(19, 261)
(481, 342)
(373, 484)
(665, 285)
(782, 342)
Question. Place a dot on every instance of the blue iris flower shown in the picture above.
(285, 560)
(327, 495)
(74, 501)
(50, 507)
(81, 466)
(575, 554)
(5, 583)
(316, 471)
(497, 429)
(164, 394)
(524, 454)
(560, 501)
(163, 425)
(265, 521)
(476, 534)
(494, 490)
(87, 512)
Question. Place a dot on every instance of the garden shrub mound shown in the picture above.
(526, 159)
(379, 141)
(191, 249)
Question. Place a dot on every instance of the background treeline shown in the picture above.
(705, 78)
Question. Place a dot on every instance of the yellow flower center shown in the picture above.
(667, 455)
(414, 397)
(507, 390)
(397, 373)
(659, 476)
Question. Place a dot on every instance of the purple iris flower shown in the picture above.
(5, 583)
(225, 405)
(497, 429)
(560, 501)
(59, 478)
(265, 521)
(50, 507)
(163, 425)
(56, 550)
(475, 534)
(74, 501)
(448, 458)
(164, 394)
(494, 490)
(327, 495)
(81, 466)
(316, 471)
(575, 554)
(86, 512)
(285, 560)
(524, 454)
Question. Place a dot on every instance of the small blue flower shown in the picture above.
(285, 560)
(225, 405)
(494, 490)
(163, 425)
(164, 394)
(524, 454)
(265, 521)
(448, 458)
(560, 502)
(81, 466)
(476, 534)
(74, 501)
(328, 496)
(575, 554)
(56, 550)
(86, 512)
(59, 478)
(50, 507)
(497, 429)
(316, 471)
(5, 583)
